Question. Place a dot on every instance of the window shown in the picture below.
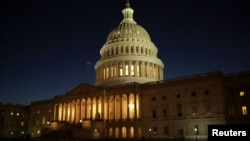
(153, 113)
(132, 70)
(166, 130)
(164, 113)
(120, 70)
(178, 96)
(114, 71)
(179, 110)
(104, 73)
(193, 94)
(244, 110)
(242, 93)
(107, 72)
(116, 50)
(206, 92)
(126, 69)
(153, 98)
(137, 70)
(121, 49)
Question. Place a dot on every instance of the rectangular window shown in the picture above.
(137, 70)
(120, 70)
(153, 98)
(206, 92)
(132, 70)
(151, 71)
(244, 110)
(153, 113)
(193, 94)
(107, 72)
(112, 71)
(104, 73)
(164, 113)
(166, 130)
(179, 110)
(242, 93)
(126, 69)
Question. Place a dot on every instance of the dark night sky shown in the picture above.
(45, 44)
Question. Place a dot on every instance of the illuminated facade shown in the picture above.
(131, 99)
(167, 109)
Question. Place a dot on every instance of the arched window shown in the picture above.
(110, 132)
(131, 132)
(124, 134)
(117, 132)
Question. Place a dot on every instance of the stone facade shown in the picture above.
(167, 109)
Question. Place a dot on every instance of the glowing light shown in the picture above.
(131, 106)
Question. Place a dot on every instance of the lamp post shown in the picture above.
(196, 132)
(150, 130)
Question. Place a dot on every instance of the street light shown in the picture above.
(196, 132)
(150, 130)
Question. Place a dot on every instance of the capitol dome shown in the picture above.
(128, 55)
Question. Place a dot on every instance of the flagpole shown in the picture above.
(87, 70)
(86, 74)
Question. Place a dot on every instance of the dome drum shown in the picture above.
(128, 48)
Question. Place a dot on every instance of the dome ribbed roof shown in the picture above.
(128, 29)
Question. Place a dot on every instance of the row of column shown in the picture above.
(131, 68)
(128, 50)
(122, 132)
(118, 107)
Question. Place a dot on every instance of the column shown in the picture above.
(135, 101)
(55, 112)
(128, 112)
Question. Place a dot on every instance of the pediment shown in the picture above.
(83, 89)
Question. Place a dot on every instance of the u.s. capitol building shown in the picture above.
(131, 99)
